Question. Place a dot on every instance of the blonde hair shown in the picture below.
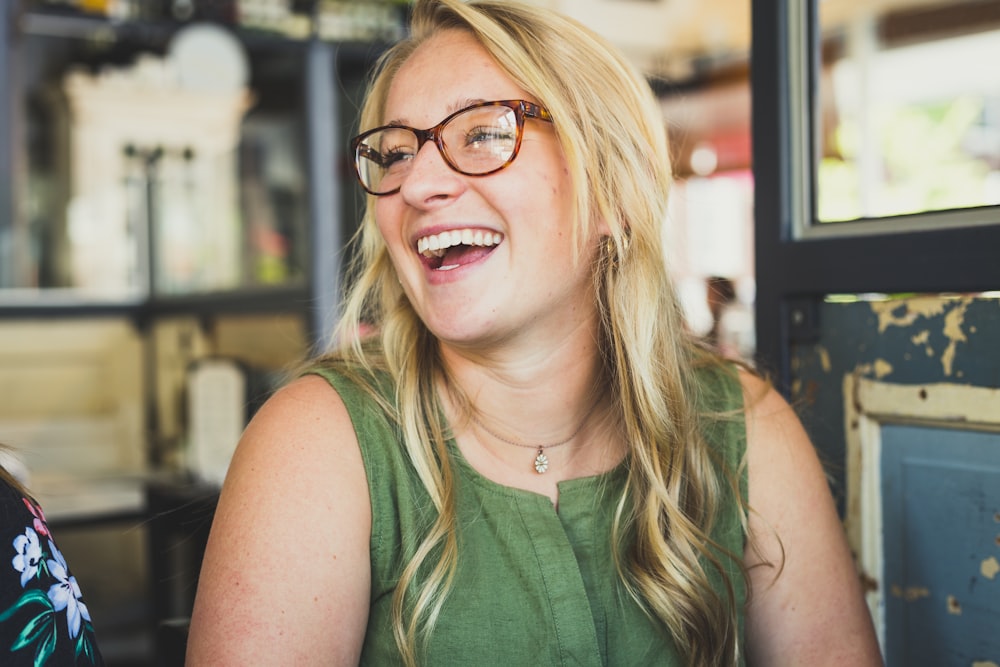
(613, 137)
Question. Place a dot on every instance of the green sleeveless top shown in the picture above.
(534, 585)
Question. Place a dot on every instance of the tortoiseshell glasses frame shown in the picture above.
(478, 140)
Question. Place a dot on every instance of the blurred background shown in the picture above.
(176, 195)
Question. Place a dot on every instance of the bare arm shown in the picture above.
(285, 580)
(811, 611)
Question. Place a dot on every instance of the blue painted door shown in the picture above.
(941, 518)
(940, 487)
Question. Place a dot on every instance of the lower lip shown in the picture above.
(452, 272)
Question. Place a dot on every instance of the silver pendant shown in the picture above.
(541, 462)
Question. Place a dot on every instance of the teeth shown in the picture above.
(436, 244)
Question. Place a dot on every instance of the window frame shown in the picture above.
(799, 262)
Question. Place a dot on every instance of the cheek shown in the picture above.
(551, 181)
(556, 179)
(558, 190)
(384, 219)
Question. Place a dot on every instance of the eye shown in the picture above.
(488, 136)
(394, 147)
(395, 156)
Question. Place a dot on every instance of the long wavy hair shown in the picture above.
(614, 140)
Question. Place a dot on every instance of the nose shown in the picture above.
(430, 178)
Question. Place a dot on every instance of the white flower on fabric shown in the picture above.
(66, 594)
(29, 555)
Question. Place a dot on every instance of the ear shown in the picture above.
(603, 229)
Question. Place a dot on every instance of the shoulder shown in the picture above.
(302, 425)
(306, 402)
(806, 593)
(291, 533)
(364, 392)
(782, 463)
(303, 436)
(781, 459)
(326, 402)
(765, 407)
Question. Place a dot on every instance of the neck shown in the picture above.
(531, 396)
(541, 460)
(555, 403)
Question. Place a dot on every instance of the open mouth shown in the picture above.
(457, 247)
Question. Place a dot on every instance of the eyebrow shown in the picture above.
(452, 108)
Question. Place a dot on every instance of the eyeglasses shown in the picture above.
(478, 140)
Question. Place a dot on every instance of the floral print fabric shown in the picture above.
(43, 617)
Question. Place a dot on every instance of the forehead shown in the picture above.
(445, 73)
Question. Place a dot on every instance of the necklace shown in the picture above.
(541, 460)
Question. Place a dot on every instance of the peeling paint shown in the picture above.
(912, 338)
(889, 314)
(877, 369)
(882, 368)
(905, 313)
(953, 322)
(990, 567)
(923, 339)
(934, 401)
(910, 593)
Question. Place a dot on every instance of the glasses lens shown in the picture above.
(481, 139)
(383, 158)
(477, 141)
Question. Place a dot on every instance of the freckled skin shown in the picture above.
(494, 300)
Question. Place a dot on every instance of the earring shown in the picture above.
(609, 247)
(611, 250)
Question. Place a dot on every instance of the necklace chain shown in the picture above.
(541, 462)
(524, 444)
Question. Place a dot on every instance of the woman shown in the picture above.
(529, 462)
(43, 618)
